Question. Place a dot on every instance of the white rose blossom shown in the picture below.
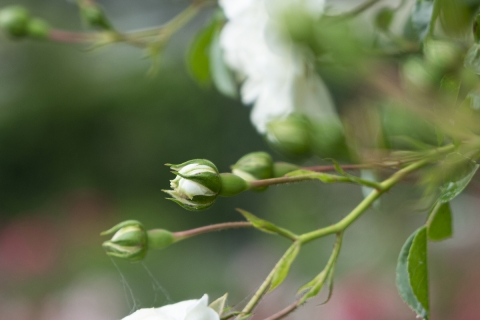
(277, 78)
(185, 310)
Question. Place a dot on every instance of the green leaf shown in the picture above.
(308, 286)
(219, 305)
(223, 77)
(418, 24)
(439, 224)
(472, 101)
(459, 172)
(456, 16)
(283, 266)
(330, 285)
(412, 273)
(472, 59)
(266, 226)
(198, 55)
(258, 223)
(384, 18)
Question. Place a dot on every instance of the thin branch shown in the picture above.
(356, 11)
(354, 166)
(328, 268)
(285, 312)
(266, 283)
(72, 37)
(212, 228)
(372, 197)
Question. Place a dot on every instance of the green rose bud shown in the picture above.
(442, 54)
(94, 16)
(254, 166)
(290, 136)
(418, 75)
(328, 139)
(129, 241)
(14, 21)
(196, 186)
(282, 168)
(384, 18)
(38, 28)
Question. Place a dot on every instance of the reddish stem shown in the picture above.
(70, 37)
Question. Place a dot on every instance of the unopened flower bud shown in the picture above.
(129, 241)
(254, 166)
(94, 16)
(328, 138)
(418, 75)
(282, 168)
(38, 28)
(383, 18)
(290, 136)
(14, 21)
(196, 186)
(442, 54)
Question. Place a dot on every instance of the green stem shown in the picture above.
(328, 268)
(285, 180)
(266, 283)
(433, 19)
(365, 204)
(165, 31)
(310, 177)
(162, 33)
(343, 224)
(348, 167)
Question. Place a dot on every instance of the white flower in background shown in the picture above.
(278, 79)
(185, 310)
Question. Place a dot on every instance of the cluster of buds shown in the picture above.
(298, 136)
(17, 22)
(131, 241)
(196, 187)
(198, 182)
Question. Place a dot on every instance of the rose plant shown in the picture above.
(405, 107)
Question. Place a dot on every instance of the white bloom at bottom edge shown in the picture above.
(185, 310)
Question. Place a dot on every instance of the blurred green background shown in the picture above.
(84, 136)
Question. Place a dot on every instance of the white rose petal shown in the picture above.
(191, 189)
(185, 310)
